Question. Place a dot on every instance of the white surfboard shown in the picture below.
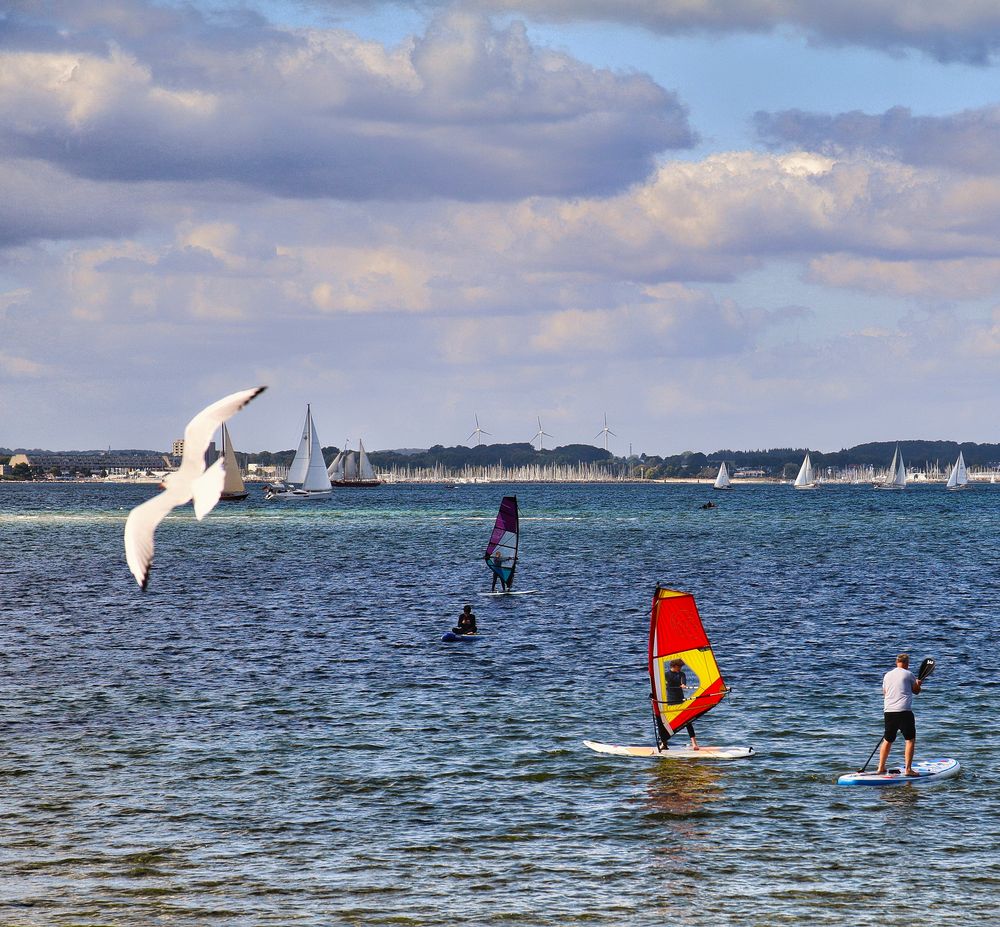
(927, 771)
(674, 753)
(497, 595)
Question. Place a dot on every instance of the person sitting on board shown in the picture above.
(466, 622)
(496, 562)
(676, 684)
(899, 686)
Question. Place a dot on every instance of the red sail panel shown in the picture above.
(676, 633)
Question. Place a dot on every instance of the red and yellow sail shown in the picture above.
(676, 633)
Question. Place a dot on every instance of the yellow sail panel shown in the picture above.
(676, 633)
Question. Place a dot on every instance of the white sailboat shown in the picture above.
(896, 478)
(307, 477)
(959, 477)
(805, 479)
(233, 488)
(722, 480)
(353, 470)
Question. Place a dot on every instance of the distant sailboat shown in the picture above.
(353, 470)
(307, 477)
(805, 479)
(233, 489)
(959, 478)
(896, 478)
(722, 480)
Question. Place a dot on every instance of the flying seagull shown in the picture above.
(190, 481)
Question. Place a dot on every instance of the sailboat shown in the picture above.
(307, 476)
(233, 489)
(896, 478)
(959, 477)
(501, 550)
(353, 470)
(677, 633)
(805, 479)
(722, 480)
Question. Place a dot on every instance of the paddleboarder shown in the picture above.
(466, 622)
(899, 686)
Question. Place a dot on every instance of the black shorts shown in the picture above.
(901, 722)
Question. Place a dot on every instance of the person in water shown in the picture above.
(676, 684)
(496, 563)
(466, 622)
(899, 686)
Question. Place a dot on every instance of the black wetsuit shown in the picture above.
(466, 624)
(676, 680)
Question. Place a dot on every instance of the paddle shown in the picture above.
(926, 668)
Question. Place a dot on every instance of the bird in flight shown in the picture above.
(192, 480)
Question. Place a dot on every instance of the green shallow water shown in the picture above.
(275, 734)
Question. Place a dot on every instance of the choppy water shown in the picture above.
(275, 734)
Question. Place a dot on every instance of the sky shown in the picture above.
(725, 225)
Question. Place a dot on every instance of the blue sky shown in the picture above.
(722, 227)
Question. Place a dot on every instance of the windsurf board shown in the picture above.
(497, 595)
(674, 753)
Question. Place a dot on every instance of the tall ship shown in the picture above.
(353, 470)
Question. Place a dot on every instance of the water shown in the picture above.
(275, 734)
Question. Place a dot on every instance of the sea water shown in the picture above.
(275, 734)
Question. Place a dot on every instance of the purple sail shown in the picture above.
(501, 552)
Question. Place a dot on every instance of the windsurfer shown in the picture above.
(496, 564)
(676, 684)
(466, 622)
(899, 686)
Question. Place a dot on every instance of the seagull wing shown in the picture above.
(199, 431)
(139, 529)
(207, 489)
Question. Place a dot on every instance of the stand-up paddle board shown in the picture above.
(927, 771)
(673, 753)
(451, 637)
(497, 595)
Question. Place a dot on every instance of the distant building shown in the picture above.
(19, 459)
(178, 450)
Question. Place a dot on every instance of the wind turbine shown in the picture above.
(541, 435)
(605, 431)
(478, 433)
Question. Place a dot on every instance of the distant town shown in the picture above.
(924, 460)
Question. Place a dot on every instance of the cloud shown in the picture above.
(966, 141)
(964, 30)
(467, 110)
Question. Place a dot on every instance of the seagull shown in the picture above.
(191, 481)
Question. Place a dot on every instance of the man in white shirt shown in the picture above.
(899, 686)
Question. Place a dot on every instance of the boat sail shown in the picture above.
(896, 478)
(805, 479)
(233, 488)
(307, 476)
(353, 470)
(676, 633)
(959, 477)
(722, 480)
(501, 551)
